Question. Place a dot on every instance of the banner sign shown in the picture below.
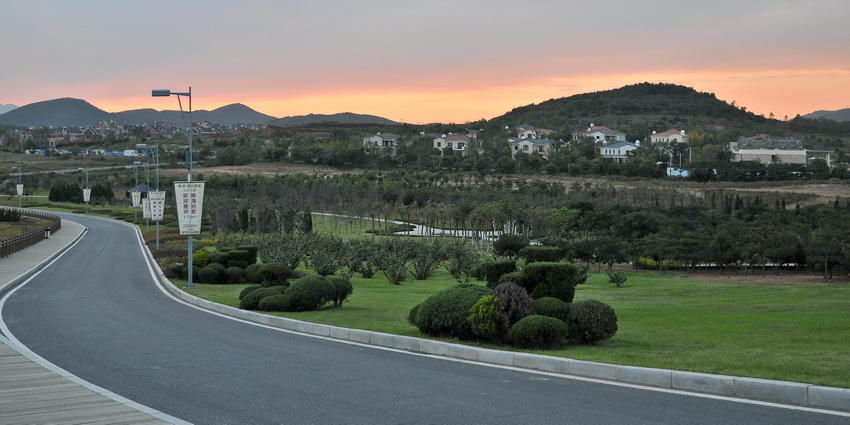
(20, 188)
(146, 208)
(137, 198)
(157, 205)
(190, 202)
(86, 194)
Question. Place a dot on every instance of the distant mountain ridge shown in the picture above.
(6, 108)
(840, 115)
(341, 118)
(69, 112)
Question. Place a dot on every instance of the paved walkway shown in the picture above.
(33, 391)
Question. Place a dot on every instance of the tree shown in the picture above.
(509, 245)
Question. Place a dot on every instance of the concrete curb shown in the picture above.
(747, 388)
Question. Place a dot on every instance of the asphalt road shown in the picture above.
(98, 313)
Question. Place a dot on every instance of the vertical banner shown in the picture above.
(20, 188)
(190, 201)
(146, 208)
(137, 198)
(86, 194)
(157, 205)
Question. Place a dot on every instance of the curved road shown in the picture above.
(98, 313)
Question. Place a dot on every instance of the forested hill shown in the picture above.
(667, 105)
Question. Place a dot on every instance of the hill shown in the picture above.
(6, 108)
(341, 118)
(659, 106)
(57, 113)
(76, 112)
(841, 115)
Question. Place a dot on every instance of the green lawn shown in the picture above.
(791, 333)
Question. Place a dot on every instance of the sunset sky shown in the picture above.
(421, 61)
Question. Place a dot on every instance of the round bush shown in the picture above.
(514, 304)
(252, 273)
(233, 275)
(218, 266)
(195, 270)
(200, 258)
(484, 316)
(251, 301)
(513, 277)
(274, 274)
(445, 313)
(591, 321)
(536, 331)
(278, 302)
(551, 307)
(342, 289)
(247, 290)
(210, 275)
(310, 293)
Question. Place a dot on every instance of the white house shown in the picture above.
(542, 146)
(669, 136)
(455, 142)
(526, 131)
(602, 134)
(768, 150)
(381, 141)
(619, 151)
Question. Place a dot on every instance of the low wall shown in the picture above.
(14, 244)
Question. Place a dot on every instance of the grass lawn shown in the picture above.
(787, 332)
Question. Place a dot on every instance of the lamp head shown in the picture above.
(160, 93)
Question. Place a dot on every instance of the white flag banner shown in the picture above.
(86, 194)
(20, 188)
(190, 202)
(157, 205)
(137, 198)
(146, 208)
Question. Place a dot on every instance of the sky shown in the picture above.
(449, 61)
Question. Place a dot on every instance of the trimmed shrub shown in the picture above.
(537, 331)
(343, 289)
(252, 273)
(252, 253)
(551, 307)
(591, 321)
(239, 255)
(200, 258)
(513, 277)
(210, 275)
(445, 313)
(514, 305)
(275, 274)
(484, 317)
(221, 257)
(310, 293)
(234, 275)
(251, 301)
(246, 290)
(237, 263)
(550, 280)
(534, 254)
(195, 270)
(278, 302)
(178, 270)
(218, 266)
(493, 270)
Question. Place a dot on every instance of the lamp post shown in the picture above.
(155, 155)
(20, 187)
(86, 189)
(166, 93)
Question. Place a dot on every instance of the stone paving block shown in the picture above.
(703, 383)
(775, 391)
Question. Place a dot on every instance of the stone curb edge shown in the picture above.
(781, 392)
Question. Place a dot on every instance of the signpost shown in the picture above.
(190, 202)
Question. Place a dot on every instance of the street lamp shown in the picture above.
(20, 187)
(156, 179)
(166, 93)
(86, 189)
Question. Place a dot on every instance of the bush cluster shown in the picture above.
(308, 293)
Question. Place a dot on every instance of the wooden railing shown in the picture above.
(16, 243)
